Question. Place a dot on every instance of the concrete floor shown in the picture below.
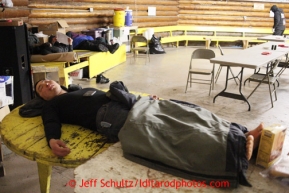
(165, 75)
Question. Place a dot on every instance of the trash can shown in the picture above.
(119, 17)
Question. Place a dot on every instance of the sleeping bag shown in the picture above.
(185, 140)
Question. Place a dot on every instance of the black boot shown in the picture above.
(101, 79)
(113, 48)
(102, 48)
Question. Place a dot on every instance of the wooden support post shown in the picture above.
(245, 44)
(208, 42)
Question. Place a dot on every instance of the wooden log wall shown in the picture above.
(169, 12)
(77, 14)
(227, 13)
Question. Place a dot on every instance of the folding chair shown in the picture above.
(282, 64)
(139, 47)
(270, 78)
(196, 68)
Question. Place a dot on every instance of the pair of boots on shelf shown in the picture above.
(105, 45)
(111, 48)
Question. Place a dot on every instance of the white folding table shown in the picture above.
(248, 58)
(274, 38)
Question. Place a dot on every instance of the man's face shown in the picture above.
(54, 39)
(48, 89)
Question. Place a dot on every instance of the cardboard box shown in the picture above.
(49, 33)
(52, 28)
(8, 22)
(271, 145)
(42, 72)
(43, 40)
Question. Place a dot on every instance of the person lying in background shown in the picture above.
(53, 46)
(85, 42)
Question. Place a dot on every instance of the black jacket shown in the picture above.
(48, 48)
(279, 18)
(119, 92)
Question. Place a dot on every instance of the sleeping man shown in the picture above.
(85, 42)
(174, 127)
(53, 46)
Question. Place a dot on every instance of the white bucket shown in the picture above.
(150, 33)
(146, 35)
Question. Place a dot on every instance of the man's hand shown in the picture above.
(69, 41)
(58, 147)
(154, 97)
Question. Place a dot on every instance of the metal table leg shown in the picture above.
(239, 96)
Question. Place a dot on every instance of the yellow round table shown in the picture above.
(25, 137)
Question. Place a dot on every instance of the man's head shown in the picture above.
(52, 39)
(48, 89)
(274, 8)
